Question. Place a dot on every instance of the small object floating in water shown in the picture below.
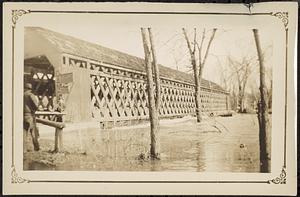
(141, 156)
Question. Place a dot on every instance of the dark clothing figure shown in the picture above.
(29, 122)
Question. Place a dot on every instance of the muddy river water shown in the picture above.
(221, 144)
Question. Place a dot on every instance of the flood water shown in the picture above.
(222, 144)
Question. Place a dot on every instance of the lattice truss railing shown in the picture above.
(43, 86)
(115, 98)
(176, 99)
(121, 94)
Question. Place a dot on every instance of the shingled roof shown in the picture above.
(78, 47)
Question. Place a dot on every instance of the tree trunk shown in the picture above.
(242, 103)
(156, 71)
(233, 100)
(270, 96)
(197, 94)
(240, 100)
(153, 113)
(264, 135)
(197, 79)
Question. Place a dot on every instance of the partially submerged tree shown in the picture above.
(198, 63)
(263, 118)
(153, 100)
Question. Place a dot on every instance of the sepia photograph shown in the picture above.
(172, 100)
(120, 98)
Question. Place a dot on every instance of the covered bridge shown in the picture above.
(102, 84)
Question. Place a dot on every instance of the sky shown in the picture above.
(170, 45)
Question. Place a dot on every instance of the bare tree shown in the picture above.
(154, 101)
(263, 119)
(198, 66)
(242, 70)
(228, 82)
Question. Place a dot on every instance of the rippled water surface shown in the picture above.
(222, 144)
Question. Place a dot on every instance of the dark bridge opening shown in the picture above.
(40, 73)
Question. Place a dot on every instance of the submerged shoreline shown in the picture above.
(219, 144)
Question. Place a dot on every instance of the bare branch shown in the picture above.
(165, 43)
(207, 49)
(195, 40)
(187, 41)
(200, 47)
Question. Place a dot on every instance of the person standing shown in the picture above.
(29, 122)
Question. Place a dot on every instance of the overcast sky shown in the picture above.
(170, 45)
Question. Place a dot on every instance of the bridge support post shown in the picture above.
(58, 125)
(58, 144)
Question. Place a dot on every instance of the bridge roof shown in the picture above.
(71, 45)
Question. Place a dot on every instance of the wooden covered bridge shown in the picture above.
(102, 84)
